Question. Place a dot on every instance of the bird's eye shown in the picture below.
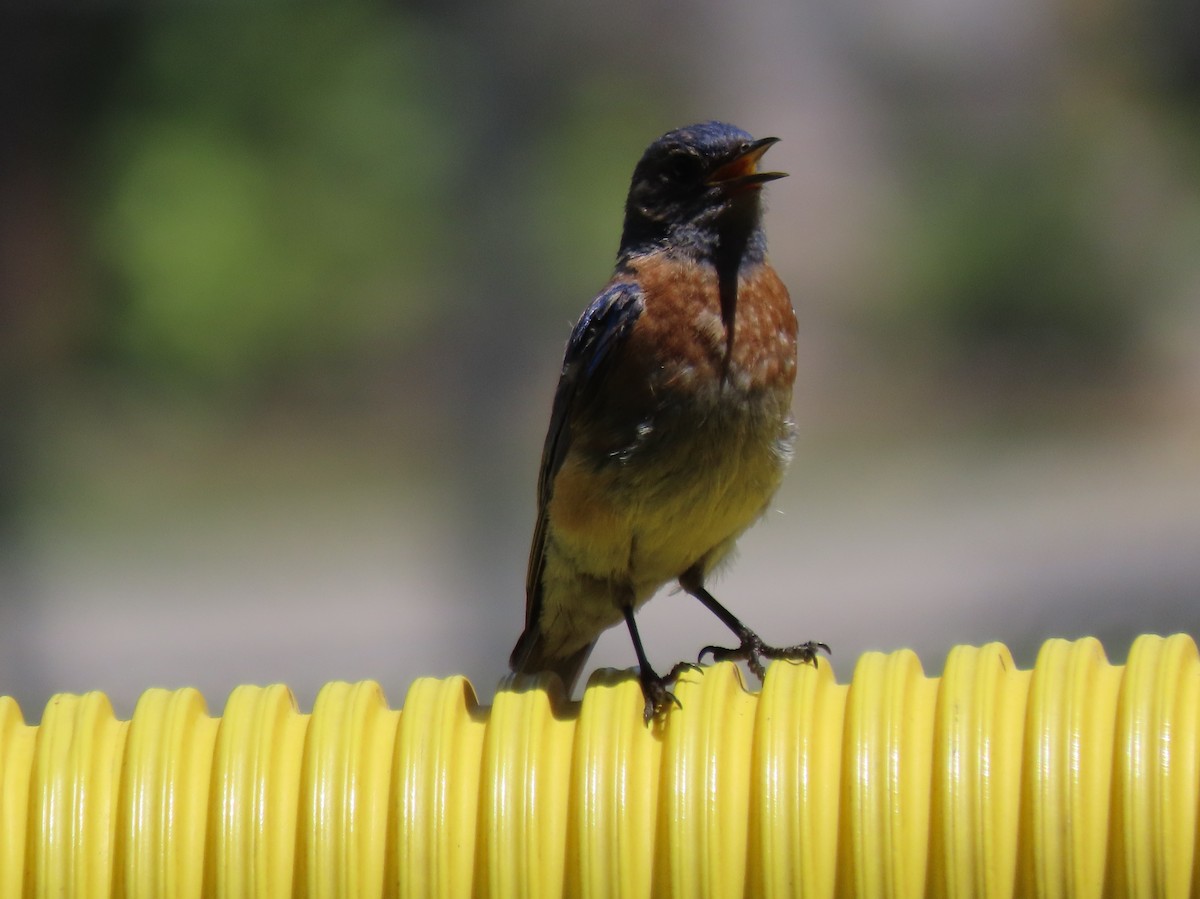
(681, 167)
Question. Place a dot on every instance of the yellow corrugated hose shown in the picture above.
(1078, 778)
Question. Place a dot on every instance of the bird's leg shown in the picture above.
(655, 688)
(751, 647)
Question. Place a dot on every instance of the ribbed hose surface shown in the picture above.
(1078, 778)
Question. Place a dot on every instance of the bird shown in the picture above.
(671, 425)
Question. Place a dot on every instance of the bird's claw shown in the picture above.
(680, 668)
(753, 650)
(657, 689)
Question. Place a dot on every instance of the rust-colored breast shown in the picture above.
(682, 328)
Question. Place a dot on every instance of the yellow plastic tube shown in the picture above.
(1078, 778)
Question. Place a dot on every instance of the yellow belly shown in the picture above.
(679, 500)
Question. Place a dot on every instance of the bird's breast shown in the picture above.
(690, 344)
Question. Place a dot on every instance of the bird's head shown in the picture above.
(694, 182)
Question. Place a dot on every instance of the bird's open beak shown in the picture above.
(742, 171)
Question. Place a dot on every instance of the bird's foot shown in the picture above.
(657, 689)
(753, 650)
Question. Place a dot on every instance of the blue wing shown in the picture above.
(596, 341)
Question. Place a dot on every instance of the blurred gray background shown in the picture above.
(283, 297)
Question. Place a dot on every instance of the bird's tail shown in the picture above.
(530, 656)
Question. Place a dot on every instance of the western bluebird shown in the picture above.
(671, 426)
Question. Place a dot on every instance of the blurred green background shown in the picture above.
(283, 295)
